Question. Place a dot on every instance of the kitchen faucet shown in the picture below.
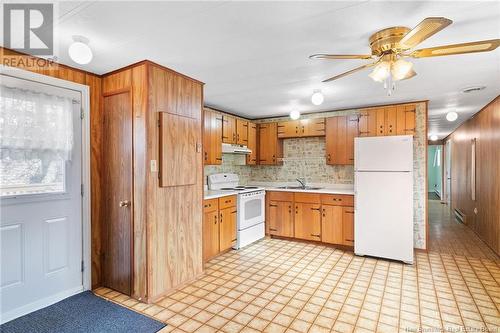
(302, 182)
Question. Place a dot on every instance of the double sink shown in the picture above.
(299, 188)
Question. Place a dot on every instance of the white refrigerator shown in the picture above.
(383, 192)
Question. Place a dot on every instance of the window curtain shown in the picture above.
(32, 120)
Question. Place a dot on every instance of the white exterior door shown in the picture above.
(41, 205)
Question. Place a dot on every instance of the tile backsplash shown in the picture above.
(305, 157)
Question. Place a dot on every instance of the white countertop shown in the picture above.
(323, 188)
(212, 194)
(273, 186)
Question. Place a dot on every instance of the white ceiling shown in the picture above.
(253, 56)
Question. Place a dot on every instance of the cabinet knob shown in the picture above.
(124, 203)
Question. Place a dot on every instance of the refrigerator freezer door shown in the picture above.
(383, 219)
(383, 153)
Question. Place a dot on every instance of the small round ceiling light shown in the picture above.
(317, 97)
(433, 137)
(295, 114)
(79, 51)
(451, 116)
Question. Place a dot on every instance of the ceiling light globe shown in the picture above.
(451, 116)
(80, 53)
(434, 137)
(317, 97)
(294, 114)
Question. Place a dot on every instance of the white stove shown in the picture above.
(250, 207)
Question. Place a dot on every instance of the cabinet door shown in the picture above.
(307, 221)
(390, 120)
(336, 140)
(331, 224)
(210, 235)
(228, 129)
(312, 127)
(348, 225)
(351, 132)
(212, 138)
(368, 123)
(227, 228)
(289, 129)
(252, 144)
(241, 132)
(380, 121)
(280, 218)
(405, 119)
(268, 144)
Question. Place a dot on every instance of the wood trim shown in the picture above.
(426, 208)
(117, 92)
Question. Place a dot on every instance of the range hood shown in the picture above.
(235, 149)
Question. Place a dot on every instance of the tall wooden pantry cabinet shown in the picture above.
(152, 180)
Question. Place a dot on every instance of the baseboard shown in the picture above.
(37, 305)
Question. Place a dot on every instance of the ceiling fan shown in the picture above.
(390, 46)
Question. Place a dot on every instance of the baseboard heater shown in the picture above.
(460, 216)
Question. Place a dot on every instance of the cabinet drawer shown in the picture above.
(337, 199)
(210, 205)
(307, 197)
(229, 201)
(279, 196)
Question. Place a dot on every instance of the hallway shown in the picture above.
(451, 237)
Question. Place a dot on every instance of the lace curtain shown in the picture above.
(35, 121)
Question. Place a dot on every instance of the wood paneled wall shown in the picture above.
(485, 128)
(94, 82)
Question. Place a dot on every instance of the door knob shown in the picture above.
(124, 203)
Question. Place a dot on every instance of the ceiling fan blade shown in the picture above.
(340, 56)
(423, 30)
(350, 72)
(480, 46)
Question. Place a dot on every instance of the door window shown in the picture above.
(253, 208)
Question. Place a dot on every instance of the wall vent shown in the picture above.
(473, 89)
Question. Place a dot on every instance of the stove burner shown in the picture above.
(238, 188)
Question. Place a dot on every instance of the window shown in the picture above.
(36, 138)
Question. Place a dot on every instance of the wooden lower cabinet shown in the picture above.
(227, 228)
(328, 218)
(280, 217)
(308, 221)
(219, 225)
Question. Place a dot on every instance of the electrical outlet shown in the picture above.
(153, 166)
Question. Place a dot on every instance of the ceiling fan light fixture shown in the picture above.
(317, 97)
(294, 114)
(451, 116)
(381, 71)
(400, 69)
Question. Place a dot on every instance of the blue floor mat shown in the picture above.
(83, 312)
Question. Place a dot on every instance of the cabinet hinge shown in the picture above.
(82, 114)
(82, 189)
(83, 266)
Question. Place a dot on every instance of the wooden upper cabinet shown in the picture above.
(390, 120)
(301, 128)
(270, 150)
(280, 218)
(252, 144)
(241, 132)
(228, 129)
(367, 123)
(307, 221)
(380, 121)
(340, 134)
(405, 119)
(177, 150)
(212, 138)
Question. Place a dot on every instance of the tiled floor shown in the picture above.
(277, 286)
